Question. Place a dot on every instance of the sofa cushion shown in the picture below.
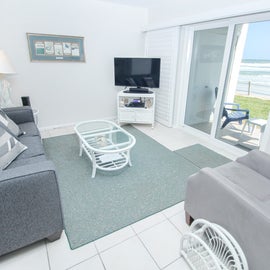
(11, 127)
(29, 129)
(35, 147)
(10, 148)
(250, 181)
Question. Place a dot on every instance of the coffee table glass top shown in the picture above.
(104, 135)
(105, 143)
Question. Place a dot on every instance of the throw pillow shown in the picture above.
(12, 127)
(10, 148)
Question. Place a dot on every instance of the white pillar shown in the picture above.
(265, 140)
(238, 55)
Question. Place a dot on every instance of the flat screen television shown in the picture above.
(137, 73)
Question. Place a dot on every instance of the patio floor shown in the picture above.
(231, 135)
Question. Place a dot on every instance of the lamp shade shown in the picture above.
(5, 65)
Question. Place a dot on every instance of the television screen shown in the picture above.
(137, 72)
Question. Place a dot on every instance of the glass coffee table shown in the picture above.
(105, 143)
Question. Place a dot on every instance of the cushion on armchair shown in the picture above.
(10, 148)
(9, 124)
(258, 161)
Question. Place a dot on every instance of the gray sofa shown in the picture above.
(236, 196)
(30, 208)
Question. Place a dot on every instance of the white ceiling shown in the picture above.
(182, 3)
(138, 3)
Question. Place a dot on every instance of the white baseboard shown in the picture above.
(60, 126)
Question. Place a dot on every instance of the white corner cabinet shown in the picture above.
(136, 108)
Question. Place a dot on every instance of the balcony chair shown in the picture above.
(233, 114)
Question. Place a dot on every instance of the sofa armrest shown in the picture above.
(27, 170)
(20, 114)
(30, 207)
(258, 161)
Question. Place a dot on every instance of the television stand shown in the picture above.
(136, 107)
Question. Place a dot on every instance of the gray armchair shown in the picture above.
(236, 196)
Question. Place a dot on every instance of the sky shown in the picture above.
(258, 41)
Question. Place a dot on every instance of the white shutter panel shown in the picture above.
(164, 44)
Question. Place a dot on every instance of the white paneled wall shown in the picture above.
(164, 44)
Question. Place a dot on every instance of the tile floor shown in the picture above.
(149, 244)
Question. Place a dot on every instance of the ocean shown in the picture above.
(254, 77)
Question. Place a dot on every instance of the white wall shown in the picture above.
(175, 12)
(70, 92)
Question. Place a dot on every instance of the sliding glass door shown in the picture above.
(204, 77)
(221, 62)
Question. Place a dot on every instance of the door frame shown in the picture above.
(184, 64)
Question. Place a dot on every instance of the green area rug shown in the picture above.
(93, 208)
(202, 156)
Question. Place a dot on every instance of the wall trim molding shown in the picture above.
(214, 15)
